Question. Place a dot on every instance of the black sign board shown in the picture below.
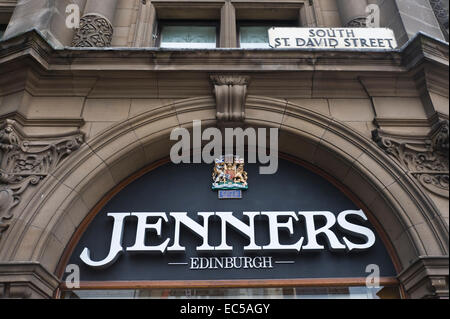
(187, 188)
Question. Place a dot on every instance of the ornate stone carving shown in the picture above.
(26, 162)
(357, 23)
(231, 93)
(426, 159)
(94, 31)
(440, 139)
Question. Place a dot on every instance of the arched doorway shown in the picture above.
(404, 212)
(272, 268)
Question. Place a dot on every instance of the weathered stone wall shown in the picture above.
(105, 114)
(47, 16)
(132, 21)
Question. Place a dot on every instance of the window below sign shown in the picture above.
(188, 35)
(254, 35)
(240, 293)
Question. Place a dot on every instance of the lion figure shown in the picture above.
(219, 175)
(241, 175)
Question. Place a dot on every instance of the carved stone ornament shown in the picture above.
(95, 31)
(26, 162)
(425, 159)
(357, 23)
(231, 93)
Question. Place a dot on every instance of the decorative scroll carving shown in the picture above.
(231, 93)
(26, 162)
(357, 23)
(94, 31)
(425, 159)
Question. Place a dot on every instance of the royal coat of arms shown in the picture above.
(229, 174)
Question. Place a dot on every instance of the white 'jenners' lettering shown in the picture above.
(247, 230)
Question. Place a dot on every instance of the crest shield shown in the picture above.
(229, 174)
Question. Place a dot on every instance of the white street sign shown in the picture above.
(333, 38)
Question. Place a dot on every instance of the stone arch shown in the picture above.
(44, 225)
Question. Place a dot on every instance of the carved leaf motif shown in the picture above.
(230, 79)
(435, 183)
(25, 162)
(427, 161)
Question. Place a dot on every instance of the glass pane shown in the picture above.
(254, 37)
(203, 37)
(241, 293)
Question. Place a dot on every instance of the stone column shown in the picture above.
(145, 25)
(96, 29)
(352, 12)
(228, 26)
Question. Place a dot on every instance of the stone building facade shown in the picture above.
(83, 109)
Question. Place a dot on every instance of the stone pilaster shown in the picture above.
(353, 12)
(25, 280)
(426, 278)
(145, 34)
(96, 29)
(228, 26)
